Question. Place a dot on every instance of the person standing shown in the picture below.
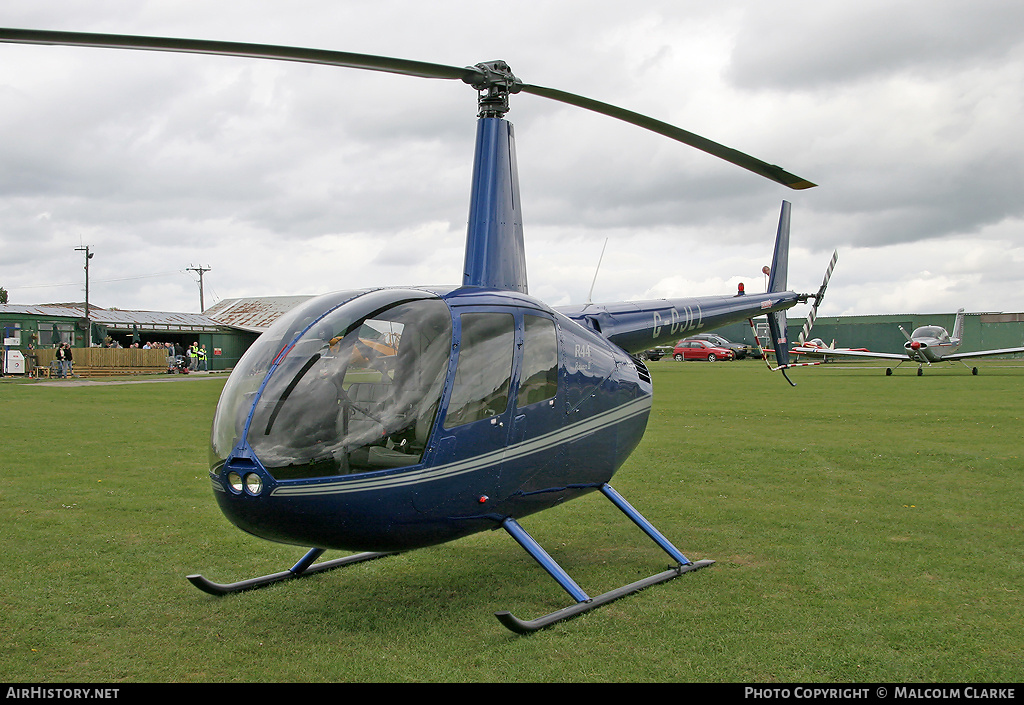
(59, 356)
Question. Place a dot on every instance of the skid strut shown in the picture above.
(302, 569)
(584, 603)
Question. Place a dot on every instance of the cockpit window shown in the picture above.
(248, 375)
(931, 332)
(357, 390)
(484, 372)
(539, 379)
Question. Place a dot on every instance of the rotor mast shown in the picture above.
(495, 255)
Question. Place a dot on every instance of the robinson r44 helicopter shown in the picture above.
(486, 406)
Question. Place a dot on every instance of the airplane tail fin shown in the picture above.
(958, 326)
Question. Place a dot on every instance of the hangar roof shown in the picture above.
(120, 319)
(253, 314)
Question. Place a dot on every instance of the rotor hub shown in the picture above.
(494, 83)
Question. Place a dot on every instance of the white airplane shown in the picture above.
(924, 346)
(820, 348)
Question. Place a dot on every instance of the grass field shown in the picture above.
(865, 528)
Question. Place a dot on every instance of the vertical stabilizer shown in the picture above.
(780, 259)
(958, 326)
(777, 325)
(777, 282)
(495, 254)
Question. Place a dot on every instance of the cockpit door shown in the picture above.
(476, 411)
(482, 384)
(536, 411)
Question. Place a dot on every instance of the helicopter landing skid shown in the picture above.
(302, 569)
(584, 603)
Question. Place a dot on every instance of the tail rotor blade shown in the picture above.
(813, 314)
(808, 324)
(824, 283)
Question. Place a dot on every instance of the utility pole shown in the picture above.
(88, 318)
(200, 271)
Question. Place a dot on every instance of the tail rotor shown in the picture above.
(777, 325)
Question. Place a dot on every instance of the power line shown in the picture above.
(100, 281)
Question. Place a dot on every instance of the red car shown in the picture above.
(700, 350)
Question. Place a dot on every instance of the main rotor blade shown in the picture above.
(770, 171)
(387, 64)
(475, 76)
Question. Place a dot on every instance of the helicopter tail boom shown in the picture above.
(638, 325)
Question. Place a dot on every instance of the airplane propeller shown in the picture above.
(493, 80)
(809, 323)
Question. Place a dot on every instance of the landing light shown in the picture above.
(253, 483)
(235, 481)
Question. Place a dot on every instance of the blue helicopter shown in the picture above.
(388, 419)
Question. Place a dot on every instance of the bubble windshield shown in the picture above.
(354, 384)
(931, 332)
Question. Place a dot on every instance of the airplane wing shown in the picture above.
(850, 353)
(805, 349)
(981, 353)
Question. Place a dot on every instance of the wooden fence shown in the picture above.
(104, 362)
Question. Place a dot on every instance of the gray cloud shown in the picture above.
(287, 178)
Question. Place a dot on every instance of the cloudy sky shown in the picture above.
(285, 178)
